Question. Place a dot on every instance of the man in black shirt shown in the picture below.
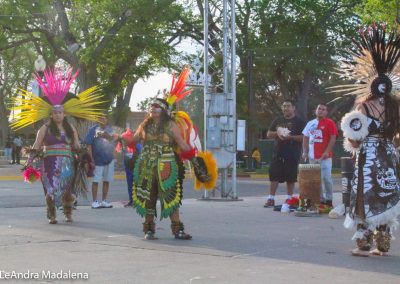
(287, 132)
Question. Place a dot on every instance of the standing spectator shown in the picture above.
(8, 149)
(286, 130)
(16, 159)
(101, 144)
(256, 158)
(130, 151)
(319, 137)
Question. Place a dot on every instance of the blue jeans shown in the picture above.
(129, 179)
(7, 154)
(326, 178)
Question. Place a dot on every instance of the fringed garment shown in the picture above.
(57, 168)
(375, 193)
(158, 173)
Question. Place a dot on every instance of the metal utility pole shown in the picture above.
(220, 105)
(250, 107)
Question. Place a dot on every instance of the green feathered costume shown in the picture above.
(158, 173)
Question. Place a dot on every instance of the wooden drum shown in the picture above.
(310, 183)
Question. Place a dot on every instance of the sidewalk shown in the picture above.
(233, 242)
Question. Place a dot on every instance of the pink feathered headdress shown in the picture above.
(56, 84)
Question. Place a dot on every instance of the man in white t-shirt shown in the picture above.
(319, 137)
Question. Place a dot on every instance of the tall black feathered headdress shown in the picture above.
(374, 65)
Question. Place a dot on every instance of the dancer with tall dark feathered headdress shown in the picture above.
(369, 131)
(57, 137)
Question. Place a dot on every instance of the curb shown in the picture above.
(120, 176)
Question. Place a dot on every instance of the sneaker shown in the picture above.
(96, 205)
(285, 208)
(105, 204)
(269, 203)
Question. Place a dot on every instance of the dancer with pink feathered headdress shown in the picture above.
(53, 155)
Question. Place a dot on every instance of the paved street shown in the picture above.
(233, 242)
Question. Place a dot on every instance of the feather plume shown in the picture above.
(185, 124)
(85, 106)
(375, 54)
(28, 109)
(177, 92)
(56, 84)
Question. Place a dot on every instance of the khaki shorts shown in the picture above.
(104, 173)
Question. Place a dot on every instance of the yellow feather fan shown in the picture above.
(212, 171)
(84, 105)
(29, 108)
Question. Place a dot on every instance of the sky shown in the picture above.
(148, 88)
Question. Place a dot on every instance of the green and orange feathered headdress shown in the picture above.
(176, 93)
(178, 86)
(28, 108)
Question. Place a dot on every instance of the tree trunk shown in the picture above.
(3, 122)
(122, 108)
(303, 92)
(283, 84)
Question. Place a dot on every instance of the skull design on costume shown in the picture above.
(386, 178)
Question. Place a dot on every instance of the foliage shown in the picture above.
(292, 45)
(13, 74)
(379, 11)
(114, 43)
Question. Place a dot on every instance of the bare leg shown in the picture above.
(106, 186)
(273, 187)
(271, 197)
(290, 188)
(95, 186)
(175, 216)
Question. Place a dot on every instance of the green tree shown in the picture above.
(113, 43)
(386, 11)
(287, 50)
(14, 74)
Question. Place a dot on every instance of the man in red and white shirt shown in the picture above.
(319, 137)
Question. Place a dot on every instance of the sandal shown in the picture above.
(359, 252)
(150, 236)
(68, 219)
(52, 221)
(181, 235)
(377, 252)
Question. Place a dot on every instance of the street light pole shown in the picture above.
(40, 66)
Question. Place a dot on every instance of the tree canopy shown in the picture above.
(113, 43)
